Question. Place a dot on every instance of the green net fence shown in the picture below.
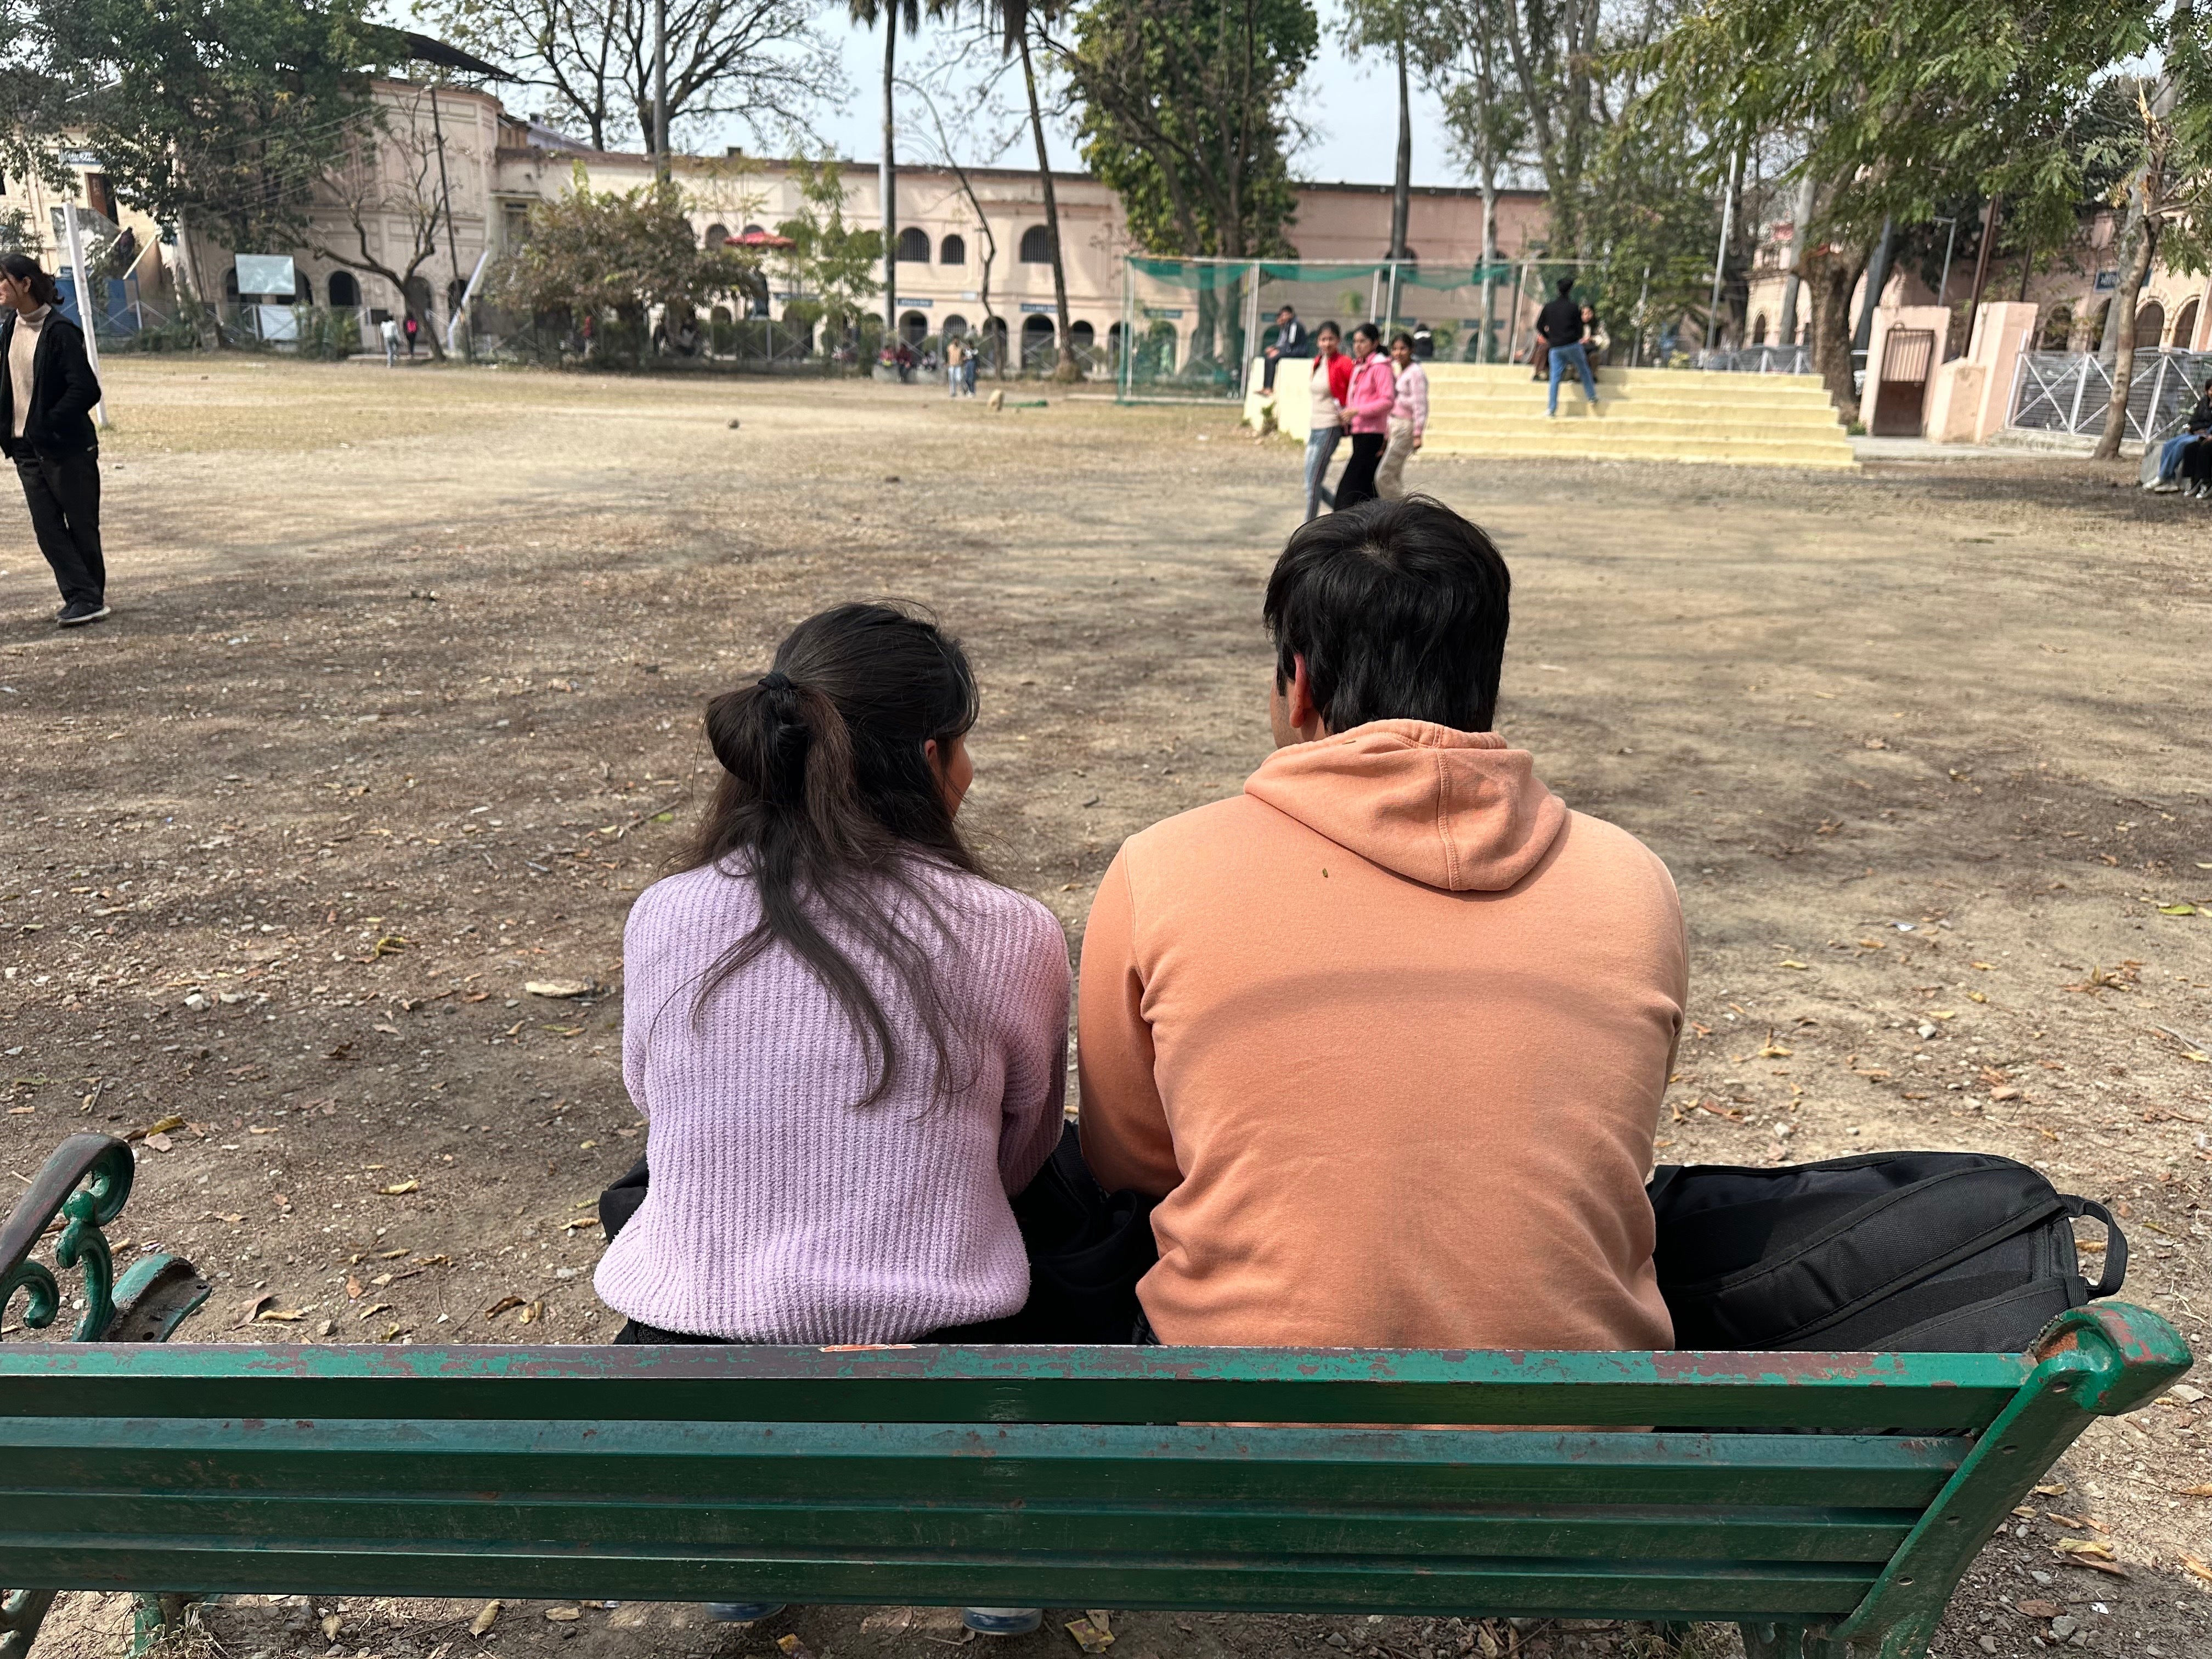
(1197, 327)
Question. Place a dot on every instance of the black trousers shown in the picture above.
(63, 492)
(1357, 484)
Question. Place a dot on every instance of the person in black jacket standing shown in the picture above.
(46, 396)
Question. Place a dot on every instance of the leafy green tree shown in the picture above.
(1461, 46)
(1182, 108)
(830, 266)
(892, 14)
(616, 254)
(1895, 106)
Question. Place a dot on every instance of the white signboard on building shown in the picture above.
(266, 273)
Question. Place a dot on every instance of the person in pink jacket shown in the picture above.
(1409, 417)
(1367, 404)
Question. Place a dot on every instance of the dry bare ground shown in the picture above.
(400, 707)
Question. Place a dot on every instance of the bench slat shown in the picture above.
(1600, 1589)
(1317, 1529)
(1910, 1393)
(1002, 1462)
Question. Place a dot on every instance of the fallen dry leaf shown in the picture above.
(2096, 1546)
(2038, 1609)
(251, 1310)
(399, 1189)
(501, 1306)
(2196, 1568)
(2204, 1491)
(284, 1316)
(559, 987)
(485, 1619)
(1089, 1636)
(564, 1615)
(159, 1127)
(793, 1647)
(332, 1625)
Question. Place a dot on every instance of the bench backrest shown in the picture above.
(1125, 1477)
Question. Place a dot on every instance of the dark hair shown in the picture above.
(1403, 335)
(1400, 610)
(1286, 309)
(24, 269)
(1369, 330)
(1325, 326)
(1567, 286)
(829, 802)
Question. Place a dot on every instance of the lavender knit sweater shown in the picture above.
(780, 1212)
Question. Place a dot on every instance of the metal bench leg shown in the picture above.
(22, 1612)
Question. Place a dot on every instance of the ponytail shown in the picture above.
(827, 801)
(24, 269)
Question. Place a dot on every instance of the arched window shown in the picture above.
(955, 326)
(2184, 328)
(1114, 343)
(1759, 329)
(454, 290)
(753, 230)
(914, 247)
(1038, 347)
(913, 328)
(715, 236)
(344, 289)
(994, 340)
(1082, 336)
(1037, 248)
(952, 251)
(2150, 325)
(2058, 328)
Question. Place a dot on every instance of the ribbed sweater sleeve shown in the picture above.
(780, 1210)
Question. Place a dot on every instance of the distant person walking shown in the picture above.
(46, 399)
(1409, 417)
(1372, 390)
(1559, 331)
(388, 331)
(1331, 377)
(1290, 340)
(413, 328)
(955, 358)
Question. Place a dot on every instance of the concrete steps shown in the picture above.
(1648, 414)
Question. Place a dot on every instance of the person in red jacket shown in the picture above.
(1330, 380)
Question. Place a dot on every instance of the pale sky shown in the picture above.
(1340, 101)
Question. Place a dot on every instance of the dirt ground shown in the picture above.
(399, 709)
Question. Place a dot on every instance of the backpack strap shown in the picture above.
(2115, 1244)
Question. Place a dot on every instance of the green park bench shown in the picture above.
(1827, 1503)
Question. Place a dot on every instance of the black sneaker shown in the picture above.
(77, 613)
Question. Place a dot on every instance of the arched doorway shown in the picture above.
(1037, 345)
(2150, 325)
(913, 328)
(1114, 344)
(1084, 339)
(994, 341)
(914, 247)
(344, 290)
(1758, 330)
(2058, 328)
(955, 328)
(2184, 328)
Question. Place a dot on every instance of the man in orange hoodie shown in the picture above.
(1386, 1034)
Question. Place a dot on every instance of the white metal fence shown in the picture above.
(1758, 360)
(2068, 392)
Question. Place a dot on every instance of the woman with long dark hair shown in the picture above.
(850, 1043)
(1367, 402)
(47, 393)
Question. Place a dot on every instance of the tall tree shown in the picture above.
(762, 61)
(1025, 29)
(1903, 104)
(977, 126)
(387, 192)
(1385, 26)
(830, 264)
(1461, 47)
(891, 13)
(1182, 105)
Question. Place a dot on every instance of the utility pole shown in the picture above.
(661, 88)
(86, 311)
(1989, 212)
(887, 180)
(1877, 278)
(1943, 284)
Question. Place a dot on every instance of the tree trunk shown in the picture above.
(887, 180)
(2133, 272)
(1830, 277)
(1401, 195)
(1066, 370)
(2130, 228)
(1795, 257)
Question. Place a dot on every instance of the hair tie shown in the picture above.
(774, 680)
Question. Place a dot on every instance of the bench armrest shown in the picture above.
(84, 1186)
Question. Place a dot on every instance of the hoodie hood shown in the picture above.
(1455, 809)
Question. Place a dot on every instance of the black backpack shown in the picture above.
(1897, 1252)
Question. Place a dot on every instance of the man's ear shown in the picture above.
(1298, 701)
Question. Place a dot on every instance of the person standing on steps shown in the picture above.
(1559, 328)
(1330, 379)
(47, 399)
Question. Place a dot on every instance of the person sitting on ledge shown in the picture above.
(1386, 1034)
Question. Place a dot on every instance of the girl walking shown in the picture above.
(48, 393)
(1409, 415)
(1330, 378)
(1368, 398)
